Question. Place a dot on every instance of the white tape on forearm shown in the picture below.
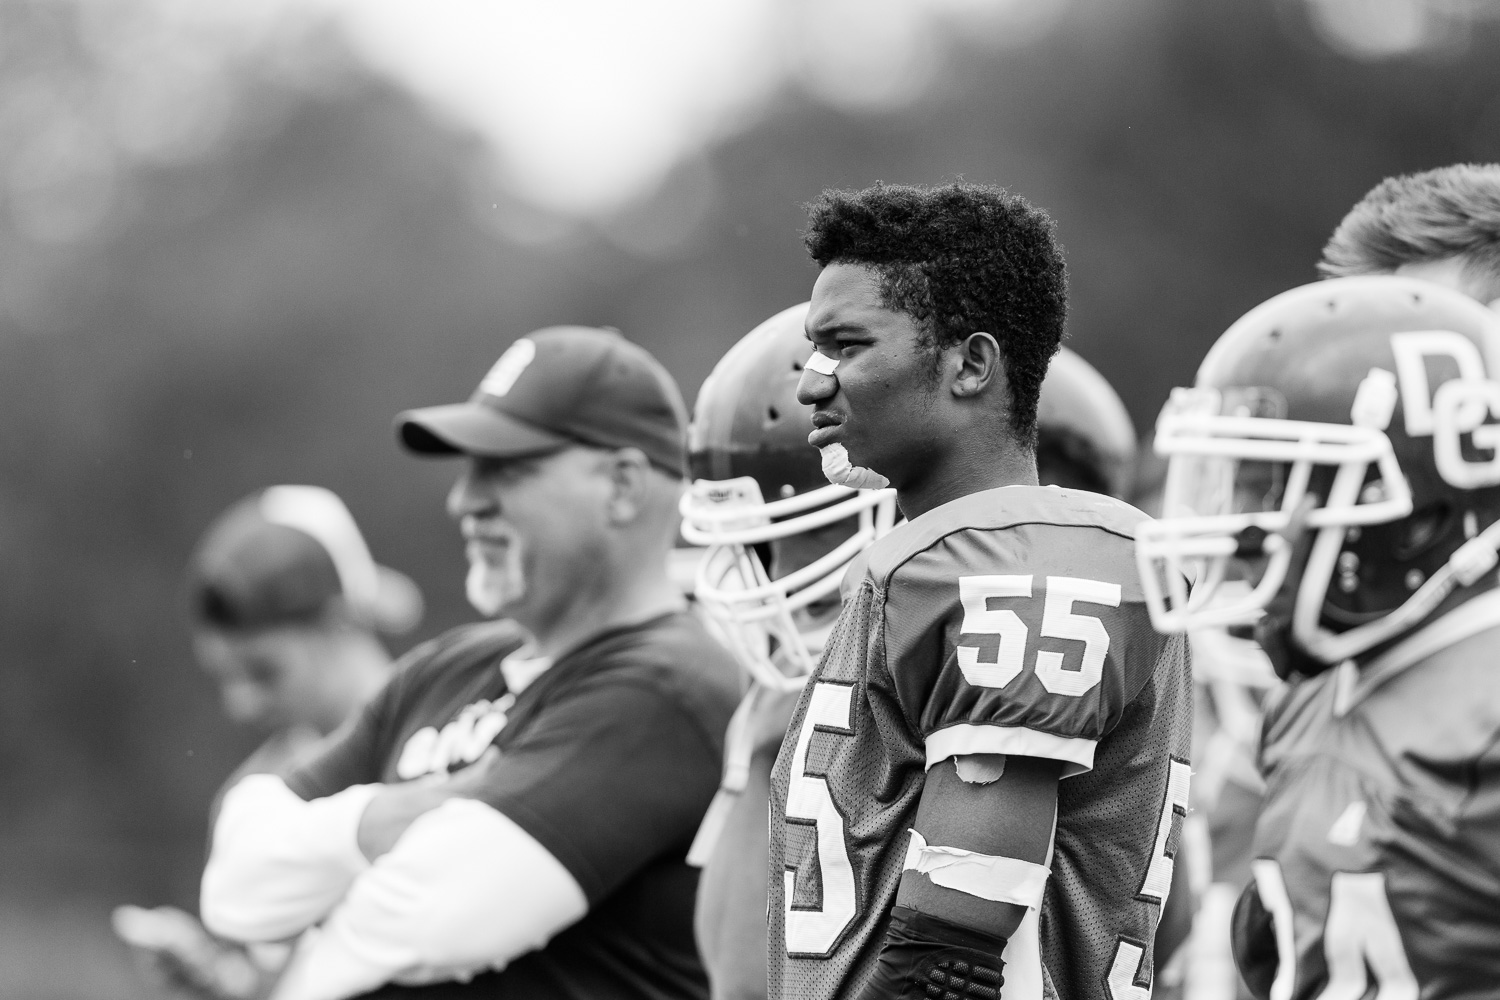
(822, 364)
(1002, 880)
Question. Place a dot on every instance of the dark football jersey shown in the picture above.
(608, 759)
(1377, 853)
(1009, 621)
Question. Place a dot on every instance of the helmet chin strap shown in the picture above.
(1466, 567)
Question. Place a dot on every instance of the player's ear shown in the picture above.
(979, 364)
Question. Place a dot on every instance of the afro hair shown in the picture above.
(957, 259)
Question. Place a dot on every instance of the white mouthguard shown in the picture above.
(838, 470)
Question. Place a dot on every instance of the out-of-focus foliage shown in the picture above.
(226, 263)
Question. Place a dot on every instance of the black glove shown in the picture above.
(928, 958)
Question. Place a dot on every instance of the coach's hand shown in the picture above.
(396, 807)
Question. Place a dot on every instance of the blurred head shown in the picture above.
(1333, 463)
(779, 536)
(1442, 225)
(936, 313)
(574, 445)
(286, 601)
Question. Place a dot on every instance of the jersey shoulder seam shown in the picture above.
(882, 575)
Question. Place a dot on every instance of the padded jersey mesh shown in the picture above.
(1108, 818)
(877, 849)
(1106, 830)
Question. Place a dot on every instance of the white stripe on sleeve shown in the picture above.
(1076, 752)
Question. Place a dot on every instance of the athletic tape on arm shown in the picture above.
(1002, 880)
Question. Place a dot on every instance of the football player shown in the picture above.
(748, 441)
(1336, 451)
(981, 788)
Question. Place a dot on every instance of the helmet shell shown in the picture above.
(747, 421)
(1306, 353)
(1077, 399)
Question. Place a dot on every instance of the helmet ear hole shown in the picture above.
(1424, 529)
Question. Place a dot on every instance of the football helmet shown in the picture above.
(757, 485)
(1081, 420)
(1360, 409)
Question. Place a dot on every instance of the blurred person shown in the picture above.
(510, 816)
(1440, 225)
(285, 603)
(1333, 455)
(748, 441)
(992, 716)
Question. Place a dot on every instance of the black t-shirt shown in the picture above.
(609, 759)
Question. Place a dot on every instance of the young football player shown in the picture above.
(981, 788)
(749, 426)
(1336, 451)
(1441, 225)
(747, 442)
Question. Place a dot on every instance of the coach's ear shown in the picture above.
(629, 473)
(979, 364)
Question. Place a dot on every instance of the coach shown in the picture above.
(509, 817)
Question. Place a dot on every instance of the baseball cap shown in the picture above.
(559, 386)
(279, 556)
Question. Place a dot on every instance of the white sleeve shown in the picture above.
(463, 890)
(278, 863)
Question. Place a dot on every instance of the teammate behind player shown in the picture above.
(285, 604)
(514, 807)
(989, 762)
(1337, 443)
(1441, 225)
(748, 423)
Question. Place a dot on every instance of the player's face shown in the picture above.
(531, 527)
(879, 403)
(268, 678)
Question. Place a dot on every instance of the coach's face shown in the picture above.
(533, 527)
(881, 398)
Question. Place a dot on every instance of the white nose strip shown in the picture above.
(822, 364)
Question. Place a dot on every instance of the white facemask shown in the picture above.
(496, 578)
(838, 470)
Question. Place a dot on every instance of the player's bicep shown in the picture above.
(979, 849)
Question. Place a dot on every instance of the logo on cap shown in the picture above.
(509, 368)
